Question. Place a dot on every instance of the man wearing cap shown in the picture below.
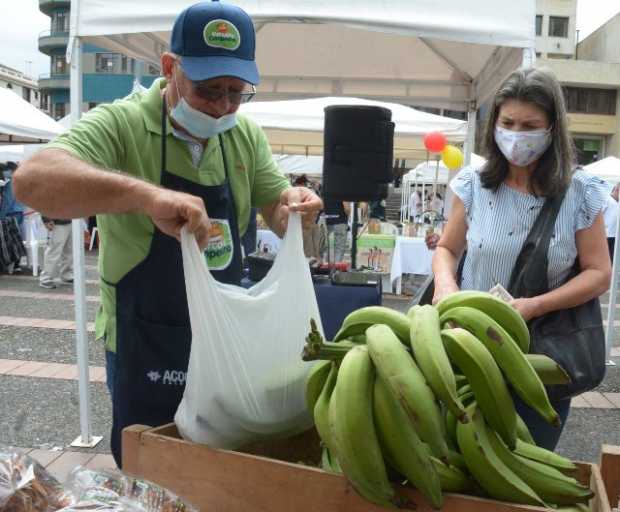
(175, 155)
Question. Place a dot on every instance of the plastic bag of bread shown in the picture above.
(26, 487)
(112, 491)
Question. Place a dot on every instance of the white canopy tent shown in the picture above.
(18, 118)
(311, 166)
(431, 172)
(607, 169)
(414, 52)
(296, 126)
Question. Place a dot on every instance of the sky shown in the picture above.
(22, 23)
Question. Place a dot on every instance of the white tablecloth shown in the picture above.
(411, 256)
(266, 239)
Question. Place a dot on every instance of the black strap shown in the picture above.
(529, 275)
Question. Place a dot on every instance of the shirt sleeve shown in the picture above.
(592, 197)
(463, 186)
(269, 182)
(95, 138)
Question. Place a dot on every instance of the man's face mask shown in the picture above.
(522, 148)
(197, 123)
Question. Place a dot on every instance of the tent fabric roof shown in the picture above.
(296, 126)
(20, 118)
(409, 51)
(607, 169)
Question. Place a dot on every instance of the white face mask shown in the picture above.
(522, 148)
(197, 123)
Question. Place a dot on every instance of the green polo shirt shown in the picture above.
(126, 136)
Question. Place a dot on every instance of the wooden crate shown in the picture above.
(270, 480)
(610, 472)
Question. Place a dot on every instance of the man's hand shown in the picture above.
(302, 200)
(49, 225)
(171, 210)
(529, 308)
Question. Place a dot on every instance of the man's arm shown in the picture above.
(62, 186)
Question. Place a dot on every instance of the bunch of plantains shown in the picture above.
(424, 398)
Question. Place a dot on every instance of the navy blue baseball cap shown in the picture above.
(215, 39)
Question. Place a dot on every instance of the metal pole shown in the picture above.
(354, 238)
(79, 274)
(613, 292)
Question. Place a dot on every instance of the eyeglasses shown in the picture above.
(214, 94)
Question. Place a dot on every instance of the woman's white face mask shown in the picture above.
(522, 148)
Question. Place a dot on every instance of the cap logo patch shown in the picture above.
(222, 34)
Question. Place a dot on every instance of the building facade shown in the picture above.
(589, 72)
(106, 75)
(21, 84)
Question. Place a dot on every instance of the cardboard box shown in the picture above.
(269, 479)
(375, 252)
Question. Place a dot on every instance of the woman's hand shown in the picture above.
(529, 308)
(443, 290)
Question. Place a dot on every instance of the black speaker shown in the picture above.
(358, 152)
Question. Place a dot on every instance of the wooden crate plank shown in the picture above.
(64, 464)
(214, 479)
(610, 472)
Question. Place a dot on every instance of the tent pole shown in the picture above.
(613, 293)
(79, 275)
(470, 140)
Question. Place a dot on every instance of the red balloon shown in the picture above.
(435, 142)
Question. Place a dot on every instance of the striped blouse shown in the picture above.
(499, 222)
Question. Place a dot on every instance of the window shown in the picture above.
(26, 94)
(559, 56)
(59, 110)
(588, 149)
(104, 62)
(558, 26)
(60, 22)
(59, 65)
(538, 54)
(123, 63)
(539, 25)
(36, 95)
(92, 105)
(152, 70)
(581, 100)
(9, 86)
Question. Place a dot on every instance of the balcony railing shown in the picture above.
(53, 81)
(49, 39)
(48, 6)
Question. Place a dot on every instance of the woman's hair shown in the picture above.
(556, 165)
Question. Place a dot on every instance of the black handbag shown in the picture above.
(573, 337)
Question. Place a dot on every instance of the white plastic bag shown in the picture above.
(246, 379)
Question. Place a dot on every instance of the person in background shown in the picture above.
(10, 206)
(336, 219)
(415, 204)
(436, 204)
(58, 260)
(610, 218)
(175, 156)
(530, 158)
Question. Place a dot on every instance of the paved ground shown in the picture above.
(38, 386)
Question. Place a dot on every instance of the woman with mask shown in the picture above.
(530, 159)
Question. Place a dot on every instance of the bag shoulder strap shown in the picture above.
(529, 275)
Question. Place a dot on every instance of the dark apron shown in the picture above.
(153, 337)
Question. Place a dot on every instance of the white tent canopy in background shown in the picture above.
(296, 126)
(311, 166)
(607, 169)
(410, 51)
(21, 119)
